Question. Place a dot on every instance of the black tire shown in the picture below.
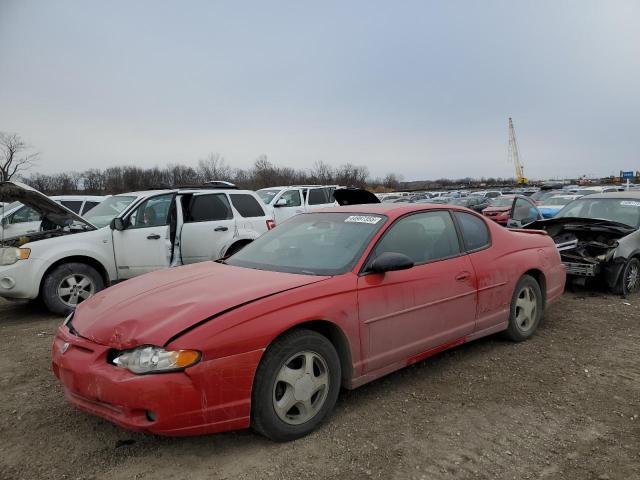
(264, 418)
(523, 323)
(52, 283)
(629, 281)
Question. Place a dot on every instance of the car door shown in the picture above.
(523, 212)
(406, 314)
(208, 226)
(22, 221)
(145, 244)
(318, 198)
(287, 205)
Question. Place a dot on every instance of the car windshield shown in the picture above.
(557, 201)
(267, 196)
(543, 194)
(502, 202)
(102, 214)
(619, 210)
(311, 244)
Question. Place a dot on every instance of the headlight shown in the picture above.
(10, 255)
(150, 359)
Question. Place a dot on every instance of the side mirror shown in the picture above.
(390, 261)
(281, 203)
(117, 224)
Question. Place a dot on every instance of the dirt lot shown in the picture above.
(564, 405)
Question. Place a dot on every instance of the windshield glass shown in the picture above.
(267, 196)
(625, 211)
(311, 244)
(502, 202)
(102, 214)
(543, 194)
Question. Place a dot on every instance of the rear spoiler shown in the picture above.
(525, 230)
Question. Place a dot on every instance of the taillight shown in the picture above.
(271, 224)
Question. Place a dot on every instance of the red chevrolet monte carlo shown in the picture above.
(329, 299)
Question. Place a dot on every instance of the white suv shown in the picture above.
(70, 257)
(289, 201)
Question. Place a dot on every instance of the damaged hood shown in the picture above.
(53, 211)
(589, 223)
(153, 308)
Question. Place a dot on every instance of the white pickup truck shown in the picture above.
(70, 257)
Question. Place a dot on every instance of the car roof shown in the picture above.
(392, 210)
(149, 193)
(616, 195)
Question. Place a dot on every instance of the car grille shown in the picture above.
(581, 269)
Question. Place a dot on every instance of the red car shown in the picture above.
(512, 210)
(329, 299)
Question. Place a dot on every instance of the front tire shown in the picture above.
(296, 386)
(69, 284)
(629, 282)
(527, 309)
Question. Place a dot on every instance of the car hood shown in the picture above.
(595, 223)
(55, 212)
(354, 196)
(154, 308)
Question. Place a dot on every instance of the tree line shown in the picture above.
(263, 173)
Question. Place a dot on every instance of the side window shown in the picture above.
(208, 208)
(423, 237)
(524, 211)
(88, 206)
(26, 214)
(73, 205)
(292, 197)
(318, 196)
(246, 205)
(475, 232)
(153, 212)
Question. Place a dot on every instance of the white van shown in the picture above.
(289, 201)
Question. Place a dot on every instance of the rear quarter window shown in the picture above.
(246, 205)
(475, 232)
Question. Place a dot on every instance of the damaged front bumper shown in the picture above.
(211, 397)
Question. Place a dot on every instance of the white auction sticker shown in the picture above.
(363, 219)
(630, 203)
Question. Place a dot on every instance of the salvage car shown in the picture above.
(69, 258)
(551, 206)
(289, 201)
(512, 210)
(597, 236)
(474, 202)
(329, 299)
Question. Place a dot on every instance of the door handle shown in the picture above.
(462, 276)
(220, 229)
(153, 236)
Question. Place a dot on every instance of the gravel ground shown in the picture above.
(563, 405)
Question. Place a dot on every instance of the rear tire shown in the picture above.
(629, 281)
(527, 309)
(296, 386)
(69, 284)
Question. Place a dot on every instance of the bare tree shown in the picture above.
(214, 167)
(14, 156)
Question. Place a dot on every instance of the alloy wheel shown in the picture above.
(301, 387)
(75, 288)
(526, 309)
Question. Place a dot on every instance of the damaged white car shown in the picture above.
(70, 257)
(598, 237)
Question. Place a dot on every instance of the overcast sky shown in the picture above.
(420, 88)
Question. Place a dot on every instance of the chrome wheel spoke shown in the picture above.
(289, 376)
